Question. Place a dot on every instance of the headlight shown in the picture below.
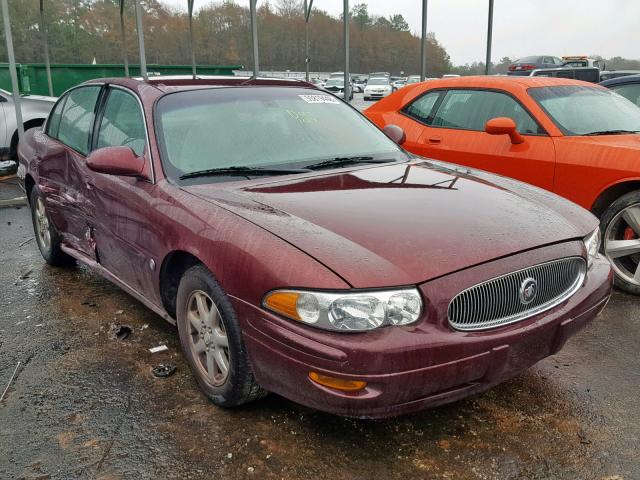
(592, 244)
(353, 311)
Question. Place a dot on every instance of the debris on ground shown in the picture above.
(121, 332)
(90, 303)
(144, 327)
(13, 376)
(25, 274)
(163, 370)
(159, 348)
(119, 312)
(25, 242)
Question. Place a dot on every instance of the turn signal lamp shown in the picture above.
(337, 383)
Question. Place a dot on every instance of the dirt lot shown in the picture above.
(85, 405)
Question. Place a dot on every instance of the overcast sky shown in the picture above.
(521, 27)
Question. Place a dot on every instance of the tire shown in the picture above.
(621, 221)
(200, 297)
(47, 237)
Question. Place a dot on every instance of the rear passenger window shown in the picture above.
(421, 108)
(54, 118)
(122, 124)
(471, 109)
(77, 118)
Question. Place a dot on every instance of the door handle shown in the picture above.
(435, 139)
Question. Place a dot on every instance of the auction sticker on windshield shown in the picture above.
(319, 99)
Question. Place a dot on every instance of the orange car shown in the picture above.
(573, 138)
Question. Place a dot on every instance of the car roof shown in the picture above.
(162, 84)
(621, 80)
(505, 82)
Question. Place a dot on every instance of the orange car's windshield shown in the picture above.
(582, 110)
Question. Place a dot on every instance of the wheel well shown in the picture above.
(611, 194)
(34, 122)
(173, 267)
(29, 183)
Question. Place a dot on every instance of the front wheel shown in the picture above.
(620, 227)
(212, 342)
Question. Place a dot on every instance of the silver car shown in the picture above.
(35, 110)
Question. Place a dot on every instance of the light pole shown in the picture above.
(308, 4)
(254, 36)
(487, 62)
(12, 67)
(347, 88)
(423, 44)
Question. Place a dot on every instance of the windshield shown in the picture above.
(265, 127)
(335, 82)
(378, 81)
(581, 110)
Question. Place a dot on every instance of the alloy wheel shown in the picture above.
(208, 338)
(622, 244)
(42, 225)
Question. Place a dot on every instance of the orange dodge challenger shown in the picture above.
(573, 138)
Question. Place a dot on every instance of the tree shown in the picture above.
(398, 23)
(360, 15)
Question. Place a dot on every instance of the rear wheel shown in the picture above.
(620, 227)
(212, 342)
(47, 237)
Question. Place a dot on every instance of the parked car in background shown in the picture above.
(524, 65)
(335, 85)
(607, 74)
(359, 83)
(377, 88)
(587, 74)
(398, 84)
(583, 61)
(35, 110)
(318, 82)
(573, 138)
(319, 260)
(627, 86)
(413, 79)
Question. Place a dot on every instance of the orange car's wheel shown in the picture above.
(620, 227)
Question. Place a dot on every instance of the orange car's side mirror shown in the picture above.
(504, 126)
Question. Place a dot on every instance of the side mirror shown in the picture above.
(116, 161)
(504, 126)
(395, 133)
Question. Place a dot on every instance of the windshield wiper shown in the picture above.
(610, 132)
(242, 171)
(338, 161)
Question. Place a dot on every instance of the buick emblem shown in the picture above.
(528, 290)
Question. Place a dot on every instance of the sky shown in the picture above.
(521, 27)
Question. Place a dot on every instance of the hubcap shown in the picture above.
(208, 337)
(622, 244)
(42, 225)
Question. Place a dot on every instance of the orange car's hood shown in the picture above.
(629, 142)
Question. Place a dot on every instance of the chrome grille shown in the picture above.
(499, 301)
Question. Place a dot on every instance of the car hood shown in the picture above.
(403, 223)
(630, 142)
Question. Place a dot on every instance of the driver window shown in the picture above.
(122, 124)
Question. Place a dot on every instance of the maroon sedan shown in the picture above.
(300, 250)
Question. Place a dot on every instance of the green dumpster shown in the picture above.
(32, 77)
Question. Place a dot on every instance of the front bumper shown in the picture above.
(419, 366)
